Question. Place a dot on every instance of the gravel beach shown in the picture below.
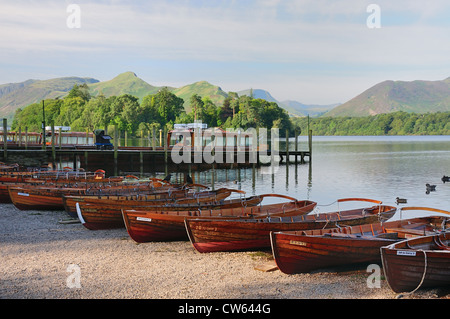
(42, 258)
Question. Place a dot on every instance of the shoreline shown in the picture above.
(40, 256)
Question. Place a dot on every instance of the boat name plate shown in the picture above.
(298, 243)
(406, 253)
(144, 219)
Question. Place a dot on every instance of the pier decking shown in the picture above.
(142, 158)
(29, 150)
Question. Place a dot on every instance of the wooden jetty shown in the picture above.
(19, 146)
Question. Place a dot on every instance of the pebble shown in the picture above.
(38, 253)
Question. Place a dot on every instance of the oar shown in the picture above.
(186, 185)
(197, 185)
(360, 200)
(234, 190)
(436, 210)
(279, 195)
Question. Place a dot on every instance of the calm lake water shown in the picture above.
(380, 168)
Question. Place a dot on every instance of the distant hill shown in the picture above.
(203, 89)
(385, 97)
(20, 95)
(312, 110)
(258, 94)
(294, 108)
(124, 83)
(15, 95)
(392, 96)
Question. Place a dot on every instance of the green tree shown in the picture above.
(169, 105)
(103, 111)
(225, 112)
(196, 104)
(81, 91)
(125, 110)
(91, 116)
(210, 112)
(71, 109)
(149, 110)
(32, 115)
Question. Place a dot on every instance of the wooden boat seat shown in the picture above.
(341, 235)
(404, 232)
(440, 244)
(389, 235)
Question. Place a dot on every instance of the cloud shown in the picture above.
(269, 30)
(315, 38)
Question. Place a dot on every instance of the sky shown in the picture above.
(311, 51)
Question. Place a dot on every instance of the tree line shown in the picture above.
(81, 111)
(396, 123)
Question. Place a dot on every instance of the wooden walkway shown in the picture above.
(144, 158)
(122, 156)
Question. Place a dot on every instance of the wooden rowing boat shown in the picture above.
(158, 197)
(8, 167)
(107, 213)
(58, 175)
(208, 235)
(50, 197)
(145, 225)
(54, 178)
(4, 193)
(112, 206)
(83, 187)
(114, 186)
(422, 262)
(305, 251)
(102, 215)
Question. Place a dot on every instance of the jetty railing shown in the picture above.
(155, 148)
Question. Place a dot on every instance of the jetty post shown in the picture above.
(43, 127)
(26, 137)
(20, 136)
(53, 143)
(154, 138)
(116, 146)
(287, 146)
(296, 144)
(165, 150)
(310, 144)
(309, 141)
(5, 139)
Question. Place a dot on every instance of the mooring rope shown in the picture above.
(327, 204)
(317, 211)
(424, 272)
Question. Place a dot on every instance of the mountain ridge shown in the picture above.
(20, 95)
(203, 89)
(387, 96)
(416, 96)
(124, 83)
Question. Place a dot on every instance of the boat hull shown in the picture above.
(301, 254)
(25, 200)
(143, 229)
(153, 200)
(108, 216)
(208, 235)
(417, 263)
(146, 226)
(305, 251)
(42, 197)
(4, 194)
